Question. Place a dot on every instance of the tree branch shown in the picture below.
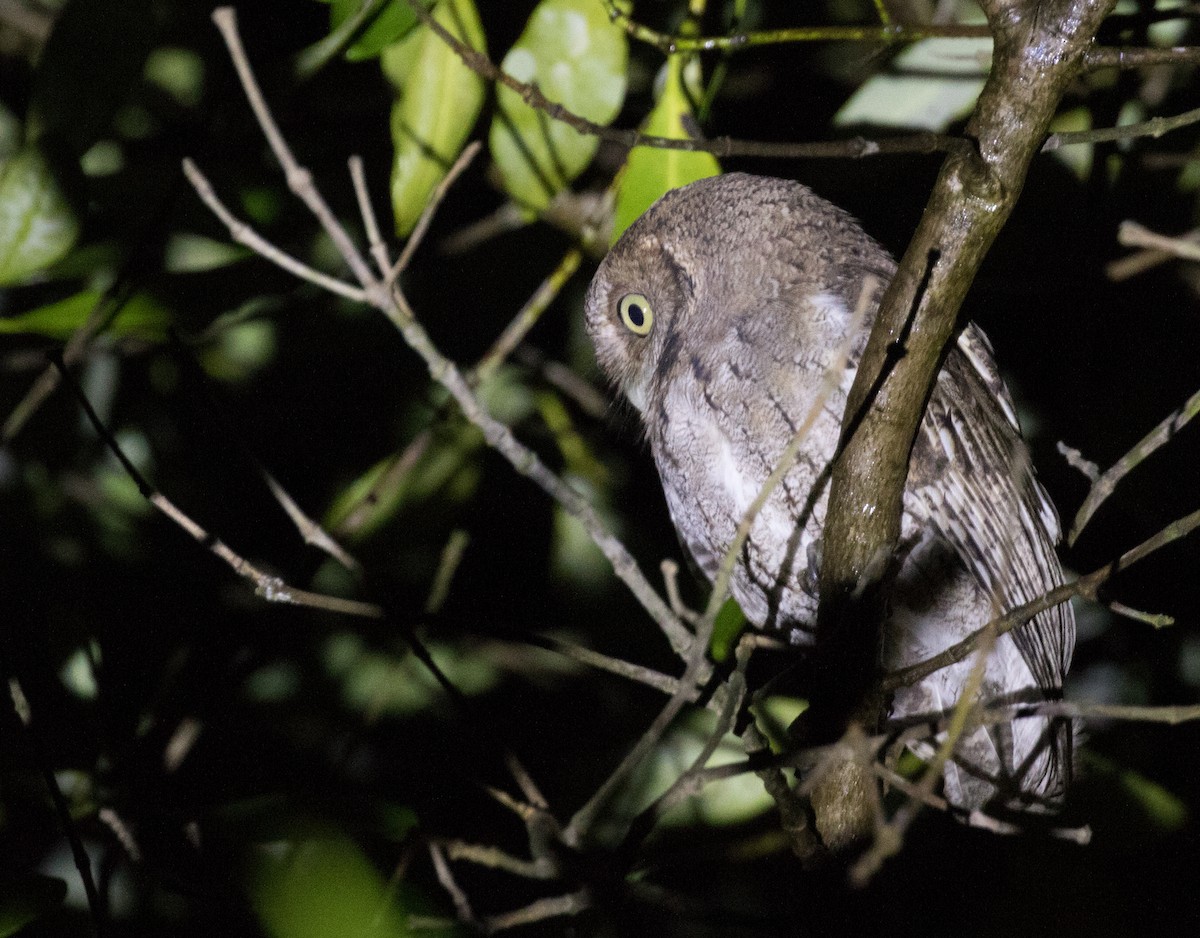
(1039, 48)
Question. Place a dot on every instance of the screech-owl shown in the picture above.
(718, 314)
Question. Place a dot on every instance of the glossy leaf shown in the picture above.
(386, 22)
(577, 57)
(90, 62)
(650, 173)
(38, 224)
(141, 316)
(439, 101)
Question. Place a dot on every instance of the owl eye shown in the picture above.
(636, 313)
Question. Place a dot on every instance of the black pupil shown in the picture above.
(637, 315)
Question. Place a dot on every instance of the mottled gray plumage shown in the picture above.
(718, 314)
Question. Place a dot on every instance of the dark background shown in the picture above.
(175, 636)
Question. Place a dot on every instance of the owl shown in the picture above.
(719, 315)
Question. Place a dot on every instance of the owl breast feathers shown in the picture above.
(720, 314)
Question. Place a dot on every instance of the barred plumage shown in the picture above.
(718, 314)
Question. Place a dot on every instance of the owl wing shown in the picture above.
(972, 480)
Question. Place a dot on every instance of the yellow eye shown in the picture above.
(636, 313)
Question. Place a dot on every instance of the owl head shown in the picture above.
(728, 252)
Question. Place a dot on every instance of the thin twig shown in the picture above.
(696, 672)
(298, 178)
(79, 853)
(242, 233)
(268, 586)
(887, 32)
(310, 531)
(528, 315)
(1154, 127)
(626, 669)
(494, 858)
(375, 242)
(538, 911)
(1086, 586)
(431, 207)
(452, 555)
(1103, 487)
(462, 905)
(1126, 57)
(1156, 619)
(1131, 234)
(1076, 460)
(889, 836)
(1139, 262)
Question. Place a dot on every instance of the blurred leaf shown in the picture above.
(650, 173)
(572, 446)
(734, 800)
(241, 350)
(439, 101)
(192, 253)
(92, 58)
(178, 72)
(446, 470)
(323, 888)
(141, 316)
(574, 556)
(577, 56)
(38, 224)
(1163, 807)
(27, 896)
(376, 682)
(1077, 157)
(930, 85)
(726, 629)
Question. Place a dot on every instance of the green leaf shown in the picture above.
(577, 56)
(650, 173)
(141, 316)
(386, 22)
(323, 888)
(26, 897)
(439, 101)
(727, 628)
(38, 223)
(90, 62)
(930, 85)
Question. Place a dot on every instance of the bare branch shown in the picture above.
(1127, 58)
(1155, 127)
(1103, 487)
(375, 242)
(418, 234)
(1146, 259)
(244, 234)
(1035, 59)
(1131, 234)
(311, 532)
(299, 179)
(266, 585)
